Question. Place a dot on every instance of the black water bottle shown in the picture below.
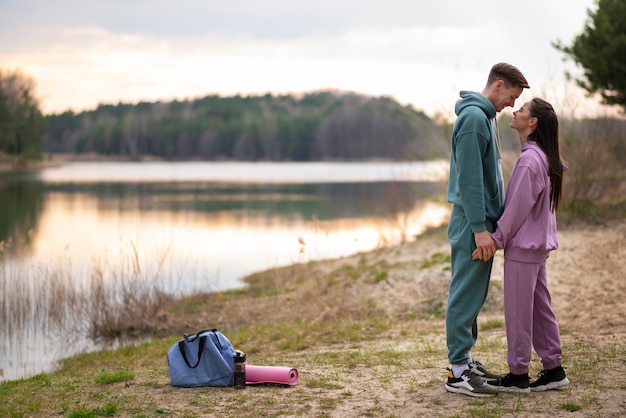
(240, 369)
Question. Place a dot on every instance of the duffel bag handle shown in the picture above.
(181, 346)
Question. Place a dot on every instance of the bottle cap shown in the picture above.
(239, 356)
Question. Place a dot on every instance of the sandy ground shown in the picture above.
(587, 279)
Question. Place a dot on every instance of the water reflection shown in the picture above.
(227, 231)
(185, 234)
(20, 208)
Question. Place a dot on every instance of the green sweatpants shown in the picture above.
(468, 289)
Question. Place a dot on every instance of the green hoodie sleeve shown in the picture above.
(469, 145)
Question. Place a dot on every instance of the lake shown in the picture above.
(189, 227)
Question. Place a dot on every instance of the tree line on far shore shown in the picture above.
(325, 125)
(322, 125)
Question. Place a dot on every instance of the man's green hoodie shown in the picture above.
(476, 181)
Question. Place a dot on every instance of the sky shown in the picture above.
(420, 53)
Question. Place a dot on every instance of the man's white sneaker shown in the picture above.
(469, 384)
(479, 370)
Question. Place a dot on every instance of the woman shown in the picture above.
(527, 232)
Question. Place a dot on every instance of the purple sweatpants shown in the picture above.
(530, 320)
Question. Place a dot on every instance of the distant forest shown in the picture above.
(316, 126)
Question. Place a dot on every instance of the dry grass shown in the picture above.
(594, 153)
(594, 186)
(367, 336)
(109, 305)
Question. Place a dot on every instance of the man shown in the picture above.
(476, 189)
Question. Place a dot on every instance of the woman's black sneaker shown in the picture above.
(519, 383)
(549, 379)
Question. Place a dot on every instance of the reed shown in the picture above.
(592, 147)
(108, 303)
(593, 151)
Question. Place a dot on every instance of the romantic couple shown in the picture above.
(523, 224)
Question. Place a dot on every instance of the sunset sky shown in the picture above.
(83, 53)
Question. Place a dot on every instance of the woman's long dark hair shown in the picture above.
(546, 135)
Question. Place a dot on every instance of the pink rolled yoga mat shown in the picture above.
(271, 374)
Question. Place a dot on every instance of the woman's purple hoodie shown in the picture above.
(527, 228)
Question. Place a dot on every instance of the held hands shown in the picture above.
(485, 246)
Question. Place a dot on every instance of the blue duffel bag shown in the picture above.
(204, 359)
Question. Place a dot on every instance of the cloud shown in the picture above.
(271, 19)
(85, 53)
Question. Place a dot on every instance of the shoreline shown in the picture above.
(367, 335)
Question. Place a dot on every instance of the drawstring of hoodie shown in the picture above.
(496, 137)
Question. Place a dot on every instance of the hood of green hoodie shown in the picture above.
(472, 98)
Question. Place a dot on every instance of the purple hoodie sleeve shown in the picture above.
(523, 191)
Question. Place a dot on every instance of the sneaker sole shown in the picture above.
(453, 389)
(551, 385)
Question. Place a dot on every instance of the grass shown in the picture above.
(492, 324)
(356, 356)
(107, 377)
(436, 259)
(330, 372)
(571, 407)
(107, 410)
